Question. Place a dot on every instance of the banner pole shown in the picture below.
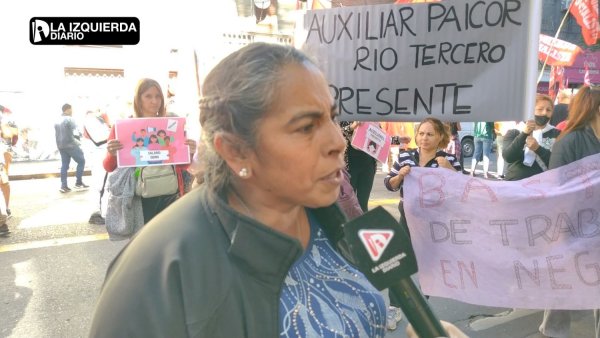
(553, 40)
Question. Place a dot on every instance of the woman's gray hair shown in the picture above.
(236, 95)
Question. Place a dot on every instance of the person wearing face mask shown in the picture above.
(527, 152)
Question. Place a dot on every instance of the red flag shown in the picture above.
(559, 52)
(586, 76)
(552, 82)
(586, 14)
(556, 77)
(559, 77)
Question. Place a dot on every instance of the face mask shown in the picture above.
(541, 120)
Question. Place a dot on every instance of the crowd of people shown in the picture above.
(263, 217)
(265, 238)
(529, 148)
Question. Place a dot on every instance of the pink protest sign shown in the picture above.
(151, 141)
(371, 139)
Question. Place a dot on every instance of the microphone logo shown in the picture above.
(375, 241)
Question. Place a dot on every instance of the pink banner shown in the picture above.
(576, 72)
(530, 244)
(151, 141)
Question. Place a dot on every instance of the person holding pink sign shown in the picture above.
(361, 166)
(148, 102)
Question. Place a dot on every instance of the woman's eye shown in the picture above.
(307, 128)
(335, 115)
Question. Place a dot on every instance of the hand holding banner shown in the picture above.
(151, 141)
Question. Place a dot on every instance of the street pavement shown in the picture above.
(53, 263)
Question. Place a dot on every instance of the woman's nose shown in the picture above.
(336, 141)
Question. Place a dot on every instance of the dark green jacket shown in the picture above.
(484, 130)
(201, 269)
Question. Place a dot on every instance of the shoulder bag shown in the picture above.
(156, 181)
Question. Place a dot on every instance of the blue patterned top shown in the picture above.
(324, 296)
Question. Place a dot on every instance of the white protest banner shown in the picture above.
(533, 243)
(456, 60)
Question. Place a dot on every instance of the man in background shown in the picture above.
(69, 145)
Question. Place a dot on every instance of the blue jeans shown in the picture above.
(483, 147)
(77, 155)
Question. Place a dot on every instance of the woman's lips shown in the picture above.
(334, 178)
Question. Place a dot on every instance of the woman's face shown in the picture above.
(543, 108)
(300, 147)
(427, 137)
(151, 102)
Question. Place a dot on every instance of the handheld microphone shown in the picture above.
(385, 256)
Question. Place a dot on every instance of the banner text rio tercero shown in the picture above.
(416, 60)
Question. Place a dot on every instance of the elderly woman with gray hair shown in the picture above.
(256, 250)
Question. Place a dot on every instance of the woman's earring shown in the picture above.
(243, 173)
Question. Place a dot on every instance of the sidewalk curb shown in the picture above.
(32, 176)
